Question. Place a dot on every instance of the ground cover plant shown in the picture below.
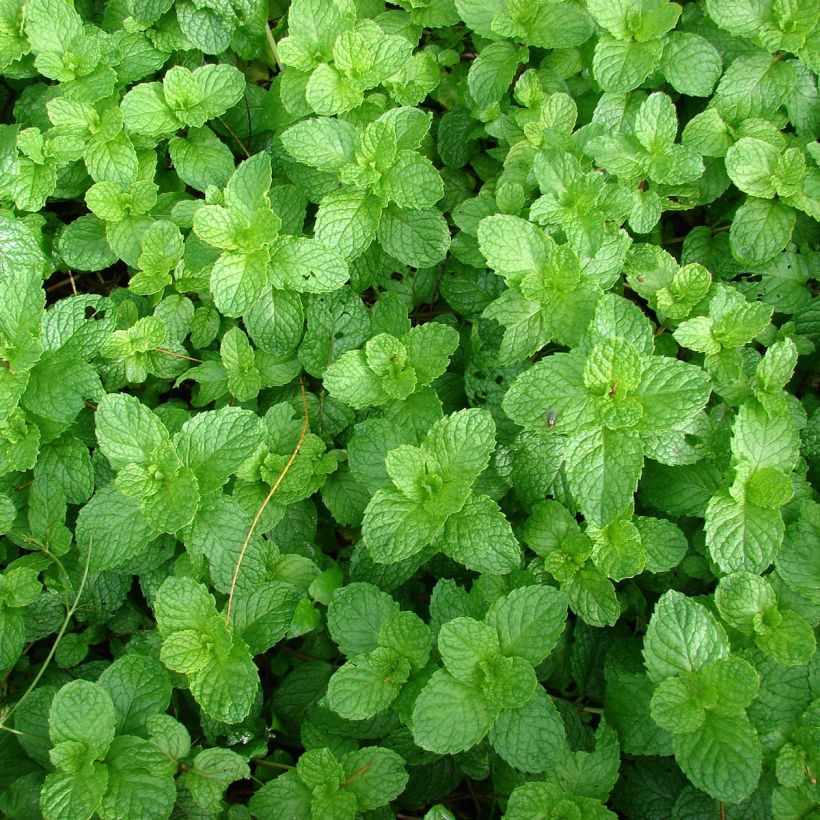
(408, 409)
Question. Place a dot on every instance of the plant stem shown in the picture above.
(280, 478)
(66, 621)
(271, 44)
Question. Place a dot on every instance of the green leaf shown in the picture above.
(227, 686)
(146, 112)
(356, 616)
(182, 603)
(215, 444)
(461, 444)
(764, 441)
(139, 688)
(321, 142)
(366, 684)
(691, 64)
(128, 432)
(528, 800)
(374, 775)
(621, 65)
(202, 94)
(174, 504)
(791, 642)
(418, 238)
(201, 159)
(348, 221)
(113, 528)
(307, 266)
(722, 758)
(529, 621)
(508, 682)
(239, 361)
(760, 230)
(479, 537)
(213, 770)
(603, 468)
(671, 393)
(138, 781)
(742, 536)
(552, 390)
(284, 796)
(750, 164)
(492, 72)
(83, 712)
(218, 532)
(77, 794)
(465, 646)
(263, 616)
(395, 527)
(412, 182)
(450, 716)
(531, 736)
(12, 637)
(592, 597)
(682, 636)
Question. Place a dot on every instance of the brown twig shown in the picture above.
(276, 484)
(177, 355)
(476, 801)
(271, 764)
(357, 773)
(236, 138)
(69, 280)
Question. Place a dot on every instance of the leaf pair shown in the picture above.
(488, 683)
(388, 188)
(323, 786)
(254, 256)
(432, 500)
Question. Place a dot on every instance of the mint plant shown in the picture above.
(408, 409)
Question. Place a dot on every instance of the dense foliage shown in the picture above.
(407, 409)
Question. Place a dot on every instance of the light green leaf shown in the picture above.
(356, 616)
(127, 430)
(139, 688)
(374, 775)
(722, 758)
(529, 621)
(348, 221)
(321, 142)
(760, 230)
(742, 536)
(552, 390)
(466, 645)
(603, 467)
(212, 771)
(530, 737)
(418, 238)
(359, 689)
(682, 636)
(412, 181)
(449, 716)
(83, 712)
(215, 444)
(691, 64)
(113, 528)
(480, 537)
(493, 71)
